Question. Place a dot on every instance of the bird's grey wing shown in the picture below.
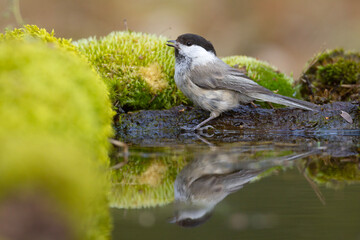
(219, 75)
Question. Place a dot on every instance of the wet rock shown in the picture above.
(245, 121)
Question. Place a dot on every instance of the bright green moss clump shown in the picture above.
(55, 118)
(264, 74)
(45, 90)
(333, 75)
(137, 68)
(32, 33)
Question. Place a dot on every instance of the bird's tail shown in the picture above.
(287, 101)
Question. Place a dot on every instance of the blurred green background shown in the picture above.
(285, 33)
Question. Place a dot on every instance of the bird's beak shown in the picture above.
(172, 43)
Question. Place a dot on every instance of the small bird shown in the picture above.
(213, 85)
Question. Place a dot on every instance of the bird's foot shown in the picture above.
(204, 131)
(206, 128)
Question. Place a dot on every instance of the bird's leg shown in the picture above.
(198, 127)
(212, 116)
(253, 105)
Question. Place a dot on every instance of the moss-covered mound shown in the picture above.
(45, 90)
(333, 75)
(55, 118)
(264, 74)
(331, 171)
(137, 68)
(145, 182)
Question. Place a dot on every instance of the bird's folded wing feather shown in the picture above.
(219, 75)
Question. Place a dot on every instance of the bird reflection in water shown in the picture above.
(209, 178)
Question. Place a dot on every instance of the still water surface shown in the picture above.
(288, 188)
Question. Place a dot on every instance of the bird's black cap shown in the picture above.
(193, 39)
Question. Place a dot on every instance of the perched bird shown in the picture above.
(213, 85)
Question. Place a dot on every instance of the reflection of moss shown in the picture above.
(329, 170)
(55, 118)
(138, 69)
(145, 182)
(269, 172)
(263, 155)
(61, 171)
(154, 174)
(264, 74)
(332, 75)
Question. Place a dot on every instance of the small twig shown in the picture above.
(17, 14)
(314, 187)
(165, 30)
(153, 98)
(350, 85)
(306, 165)
(126, 25)
(125, 153)
(271, 106)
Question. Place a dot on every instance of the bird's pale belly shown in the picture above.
(208, 99)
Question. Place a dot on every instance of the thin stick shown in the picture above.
(126, 25)
(314, 187)
(17, 14)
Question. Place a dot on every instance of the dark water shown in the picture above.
(298, 187)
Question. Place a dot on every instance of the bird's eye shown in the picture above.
(188, 43)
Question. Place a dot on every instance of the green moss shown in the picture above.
(264, 74)
(341, 72)
(48, 90)
(137, 68)
(55, 118)
(333, 75)
(31, 33)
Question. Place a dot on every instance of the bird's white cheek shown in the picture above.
(199, 56)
